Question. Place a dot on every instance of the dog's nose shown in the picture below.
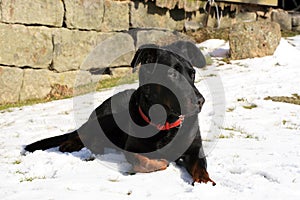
(200, 102)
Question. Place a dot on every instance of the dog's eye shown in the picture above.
(177, 67)
(192, 74)
(173, 74)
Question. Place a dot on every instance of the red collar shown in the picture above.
(166, 126)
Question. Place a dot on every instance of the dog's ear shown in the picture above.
(189, 51)
(143, 53)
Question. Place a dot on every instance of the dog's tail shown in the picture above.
(50, 142)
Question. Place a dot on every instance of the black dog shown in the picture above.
(154, 124)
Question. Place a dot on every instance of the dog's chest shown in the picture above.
(165, 138)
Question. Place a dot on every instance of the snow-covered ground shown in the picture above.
(252, 153)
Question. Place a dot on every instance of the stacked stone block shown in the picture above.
(48, 42)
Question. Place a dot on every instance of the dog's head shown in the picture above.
(167, 76)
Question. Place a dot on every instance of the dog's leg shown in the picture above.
(198, 171)
(195, 163)
(143, 164)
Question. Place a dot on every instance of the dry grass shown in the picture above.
(294, 99)
(63, 92)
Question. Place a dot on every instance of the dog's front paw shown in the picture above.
(145, 165)
(199, 174)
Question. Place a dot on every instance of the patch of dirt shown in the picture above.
(209, 33)
(294, 99)
(223, 33)
(59, 91)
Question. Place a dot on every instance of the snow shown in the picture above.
(252, 153)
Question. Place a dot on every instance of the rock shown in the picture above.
(246, 17)
(25, 46)
(196, 22)
(282, 18)
(84, 14)
(121, 71)
(45, 12)
(188, 6)
(71, 79)
(35, 84)
(100, 15)
(224, 21)
(147, 15)
(264, 14)
(254, 39)
(100, 77)
(39, 84)
(83, 83)
(117, 50)
(11, 80)
(192, 25)
(296, 28)
(170, 4)
(296, 20)
(71, 47)
(158, 37)
(116, 16)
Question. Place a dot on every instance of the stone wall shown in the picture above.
(44, 43)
